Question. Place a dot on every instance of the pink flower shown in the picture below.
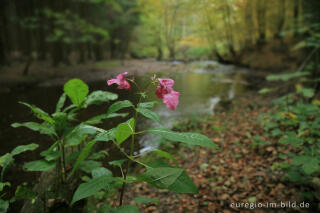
(165, 92)
(121, 81)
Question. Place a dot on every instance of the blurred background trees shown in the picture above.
(75, 31)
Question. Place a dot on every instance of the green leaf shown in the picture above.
(145, 200)
(119, 105)
(99, 97)
(266, 90)
(98, 155)
(77, 91)
(117, 162)
(311, 167)
(24, 192)
(24, 148)
(149, 114)
(39, 166)
(61, 102)
(306, 92)
(35, 127)
(89, 165)
(124, 130)
(173, 179)
(164, 154)
(90, 188)
(188, 138)
(106, 135)
(101, 171)
(39, 113)
(98, 119)
(83, 155)
(50, 155)
(79, 133)
(146, 104)
(286, 76)
(2, 185)
(4, 205)
(5, 161)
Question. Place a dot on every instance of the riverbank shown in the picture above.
(42, 74)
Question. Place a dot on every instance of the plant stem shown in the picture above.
(131, 158)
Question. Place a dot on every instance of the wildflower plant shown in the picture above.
(59, 126)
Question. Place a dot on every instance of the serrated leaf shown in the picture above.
(35, 127)
(39, 113)
(99, 97)
(24, 148)
(124, 130)
(149, 114)
(76, 90)
(145, 200)
(39, 165)
(188, 138)
(173, 179)
(146, 104)
(119, 105)
(90, 188)
(61, 102)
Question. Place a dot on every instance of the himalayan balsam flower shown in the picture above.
(165, 92)
(121, 81)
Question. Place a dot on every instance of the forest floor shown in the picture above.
(238, 173)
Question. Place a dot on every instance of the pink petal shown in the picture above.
(121, 81)
(124, 84)
(121, 76)
(171, 100)
(166, 82)
(113, 81)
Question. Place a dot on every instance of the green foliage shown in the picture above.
(67, 132)
(77, 91)
(149, 114)
(188, 138)
(91, 187)
(173, 179)
(294, 124)
(124, 130)
(287, 76)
